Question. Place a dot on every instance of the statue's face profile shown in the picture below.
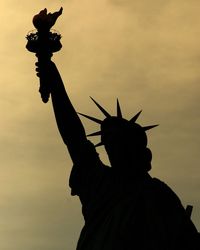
(121, 139)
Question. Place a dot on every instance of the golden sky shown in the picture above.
(147, 54)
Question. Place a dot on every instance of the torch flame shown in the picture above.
(43, 21)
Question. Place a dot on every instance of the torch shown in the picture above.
(44, 41)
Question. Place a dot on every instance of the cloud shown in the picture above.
(146, 53)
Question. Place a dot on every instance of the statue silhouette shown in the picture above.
(124, 208)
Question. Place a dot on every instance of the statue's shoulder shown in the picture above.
(161, 186)
(165, 193)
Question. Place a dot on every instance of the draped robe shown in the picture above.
(127, 212)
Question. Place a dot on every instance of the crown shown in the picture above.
(119, 117)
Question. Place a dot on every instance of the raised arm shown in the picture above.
(68, 122)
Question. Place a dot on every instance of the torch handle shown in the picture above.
(44, 88)
(44, 91)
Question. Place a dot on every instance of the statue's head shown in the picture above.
(124, 140)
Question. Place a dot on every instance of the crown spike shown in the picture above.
(91, 118)
(99, 144)
(119, 112)
(96, 133)
(149, 127)
(135, 117)
(101, 108)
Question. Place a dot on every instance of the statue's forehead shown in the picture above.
(117, 122)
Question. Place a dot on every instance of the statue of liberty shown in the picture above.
(124, 208)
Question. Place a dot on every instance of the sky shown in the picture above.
(146, 53)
